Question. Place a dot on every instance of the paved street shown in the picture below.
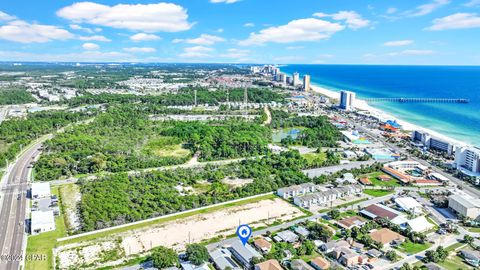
(311, 173)
(13, 207)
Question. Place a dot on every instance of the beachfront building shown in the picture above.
(347, 100)
(430, 142)
(296, 79)
(306, 83)
(467, 160)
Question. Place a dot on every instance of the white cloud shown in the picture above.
(5, 17)
(79, 27)
(165, 17)
(249, 25)
(144, 37)
(196, 52)
(391, 10)
(90, 46)
(309, 29)
(351, 18)
(472, 3)
(428, 8)
(203, 39)
(456, 21)
(397, 43)
(235, 53)
(140, 49)
(412, 52)
(94, 38)
(21, 31)
(224, 1)
(85, 56)
(220, 30)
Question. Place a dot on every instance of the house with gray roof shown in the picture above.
(222, 259)
(243, 253)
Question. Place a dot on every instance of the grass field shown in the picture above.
(166, 219)
(412, 248)
(377, 182)
(315, 158)
(43, 244)
(165, 147)
(377, 192)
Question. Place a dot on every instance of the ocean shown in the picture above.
(458, 121)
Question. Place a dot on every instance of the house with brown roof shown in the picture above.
(384, 178)
(263, 245)
(386, 236)
(269, 265)
(350, 222)
(320, 263)
(374, 211)
(365, 181)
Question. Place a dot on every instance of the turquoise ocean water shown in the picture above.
(458, 121)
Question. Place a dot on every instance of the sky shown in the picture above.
(403, 32)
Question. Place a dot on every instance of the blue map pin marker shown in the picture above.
(244, 232)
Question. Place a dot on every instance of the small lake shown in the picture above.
(278, 135)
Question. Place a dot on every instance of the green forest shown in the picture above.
(15, 96)
(17, 133)
(124, 138)
(185, 96)
(118, 198)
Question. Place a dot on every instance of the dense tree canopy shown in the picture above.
(15, 96)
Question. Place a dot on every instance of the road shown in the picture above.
(13, 209)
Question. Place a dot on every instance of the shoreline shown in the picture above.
(383, 116)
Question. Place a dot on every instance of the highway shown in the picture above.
(13, 210)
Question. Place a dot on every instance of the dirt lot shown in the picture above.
(177, 233)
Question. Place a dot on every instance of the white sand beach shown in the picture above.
(364, 106)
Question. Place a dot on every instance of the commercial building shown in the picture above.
(354, 137)
(409, 204)
(40, 190)
(374, 211)
(42, 221)
(306, 83)
(347, 100)
(430, 142)
(420, 225)
(413, 172)
(465, 205)
(467, 160)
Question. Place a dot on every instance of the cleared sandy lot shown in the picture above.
(178, 233)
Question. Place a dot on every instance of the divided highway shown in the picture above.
(13, 210)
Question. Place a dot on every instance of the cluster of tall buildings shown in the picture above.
(281, 77)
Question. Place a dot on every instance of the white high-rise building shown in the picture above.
(296, 79)
(347, 100)
(467, 160)
(306, 83)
